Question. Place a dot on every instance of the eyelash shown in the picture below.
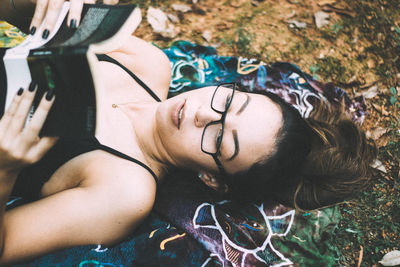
(228, 98)
(217, 140)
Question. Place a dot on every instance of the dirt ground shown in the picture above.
(358, 49)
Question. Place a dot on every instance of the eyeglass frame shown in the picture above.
(222, 121)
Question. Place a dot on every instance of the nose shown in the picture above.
(205, 115)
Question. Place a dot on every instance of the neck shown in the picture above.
(143, 118)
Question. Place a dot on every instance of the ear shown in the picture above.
(211, 181)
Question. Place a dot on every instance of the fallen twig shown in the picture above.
(360, 256)
(331, 8)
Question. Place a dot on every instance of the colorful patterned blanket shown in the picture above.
(193, 226)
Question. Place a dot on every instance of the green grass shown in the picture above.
(376, 22)
(371, 221)
(332, 69)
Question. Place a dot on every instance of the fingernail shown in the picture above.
(50, 94)
(32, 30)
(45, 34)
(20, 91)
(72, 24)
(32, 86)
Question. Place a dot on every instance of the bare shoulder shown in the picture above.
(126, 187)
(104, 208)
(148, 62)
(121, 179)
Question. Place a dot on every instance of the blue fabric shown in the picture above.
(148, 246)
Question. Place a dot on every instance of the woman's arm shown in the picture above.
(20, 145)
(98, 213)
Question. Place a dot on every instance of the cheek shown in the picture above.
(190, 146)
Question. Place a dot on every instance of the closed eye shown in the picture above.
(236, 142)
(219, 140)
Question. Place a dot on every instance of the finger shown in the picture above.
(53, 11)
(74, 16)
(38, 151)
(19, 117)
(38, 16)
(35, 125)
(111, 2)
(5, 120)
(30, 134)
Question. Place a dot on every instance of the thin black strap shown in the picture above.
(124, 156)
(103, 57)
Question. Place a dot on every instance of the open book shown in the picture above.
(65, 62)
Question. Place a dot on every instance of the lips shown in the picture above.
(178, 113)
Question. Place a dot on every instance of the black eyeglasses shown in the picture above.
(213, 132)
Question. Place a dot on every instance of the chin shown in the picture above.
(161, 117)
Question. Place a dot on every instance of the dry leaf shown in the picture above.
(295, 23)
(391, 259)
(181, 8)
(160, 23)
(207, 35)
(173, 18)
(376, 133)
(379, 166)
(383, 111)
(326, 2)
(383, 234)
(376, 106)
(370, 93)
(321, 19)
(371, 63)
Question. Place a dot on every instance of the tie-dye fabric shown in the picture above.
(193, 226)
(195, 66)
(10, 36)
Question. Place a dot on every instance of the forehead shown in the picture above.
(257, 127)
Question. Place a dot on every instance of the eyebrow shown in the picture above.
(244, 104)
(236, 140)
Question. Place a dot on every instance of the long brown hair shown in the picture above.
(317, 161)
(339, 160)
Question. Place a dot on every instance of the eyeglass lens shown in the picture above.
(213, 132)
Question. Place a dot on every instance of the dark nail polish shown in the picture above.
(49, 94)
(72, 24)
(32, 86)
(45, 34)
(32, 31)
(20, 91)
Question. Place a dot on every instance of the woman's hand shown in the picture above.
(20, 144)
(51, 10)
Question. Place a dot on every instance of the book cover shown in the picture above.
(66, 64)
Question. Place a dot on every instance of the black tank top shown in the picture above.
(32, 178)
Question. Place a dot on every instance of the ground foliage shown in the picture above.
(359, 50)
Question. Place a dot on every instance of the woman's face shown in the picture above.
(251, 125)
